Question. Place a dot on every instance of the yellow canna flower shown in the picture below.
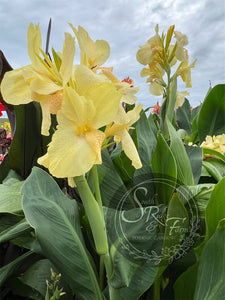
(147, 52)
(119, 130)
(182, 40)
(79, 121)
(42, 81)
(215, 143)
(180, 98)
(184, 71)
(92, 54)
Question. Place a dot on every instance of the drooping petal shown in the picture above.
(156, 89)
(129, 148)
(67, 58)
(46, 117)
(180, 98)
(14, 88)
(77, 160)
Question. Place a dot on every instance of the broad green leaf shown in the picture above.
(214, 153)
(195, 157)
(210, 283)
(215, 167)
(164, 166)
(17, 266)
(28, 144)
(107, 173)
(215, 210)
(177, 223)
(123, 164)
(17, 288)
(202, 193)
(134, 247)
(184, 171)
(146, 140)
(14, 231)
(10, 197)
(55, 219)
(211, 119)
(184, 286)
(183, 117)
(36, 276)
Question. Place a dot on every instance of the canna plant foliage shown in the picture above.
(100, 199)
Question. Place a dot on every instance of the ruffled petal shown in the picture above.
(76, 110)
(106, 99)
(77, 160)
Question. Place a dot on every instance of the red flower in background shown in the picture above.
(2, 108)
(128, 80)
(156, 108)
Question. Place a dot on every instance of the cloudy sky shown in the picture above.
(125, 25)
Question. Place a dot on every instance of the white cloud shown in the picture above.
(125, 24)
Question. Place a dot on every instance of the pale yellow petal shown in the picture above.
(109, 74)
(129, 148)
(106, 99)
(43, 84)
(14, 88)
(46, 117)
(156, 89)
(84, 78)
(180, 98)
(134, 114)
(144, 54)
(92, 53)
(68, 155)
(95, 139)
(34, 46)
(76, 110)
(67, 58)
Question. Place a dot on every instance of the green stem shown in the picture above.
(94, 214)
(96, 185)
(156, 289)
(113, 293)
(101, 272)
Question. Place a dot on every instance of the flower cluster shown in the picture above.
(160, 56)
(87, 100)
(216, 143)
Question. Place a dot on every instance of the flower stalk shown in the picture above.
(94, 214)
